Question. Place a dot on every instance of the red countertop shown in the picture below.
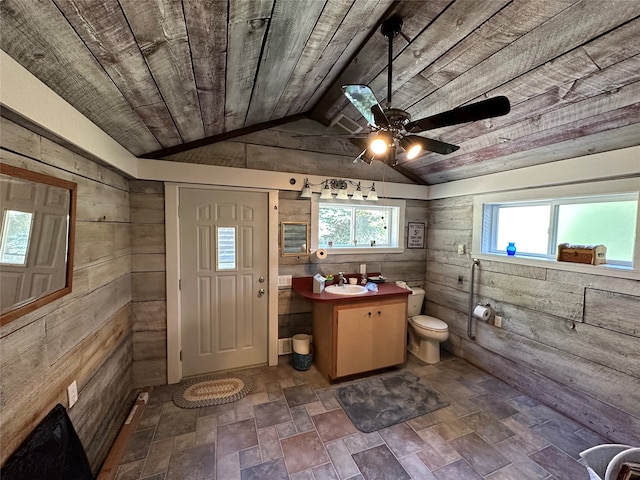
(304, 286)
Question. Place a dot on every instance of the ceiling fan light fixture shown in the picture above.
(366, 157)
(379, 144)
(411, 146)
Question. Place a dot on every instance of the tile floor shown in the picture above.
(292, 427)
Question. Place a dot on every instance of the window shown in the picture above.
(352, 226)
(538, 227)
(226, 248)
(16, 235)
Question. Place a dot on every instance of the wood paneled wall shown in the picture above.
(568, 339)
(294, 312)
(85, 336)
(148, 281)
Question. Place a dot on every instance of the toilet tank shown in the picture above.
(415, 302)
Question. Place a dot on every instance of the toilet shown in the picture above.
(425, 332)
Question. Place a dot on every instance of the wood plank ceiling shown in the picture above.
(161, 76)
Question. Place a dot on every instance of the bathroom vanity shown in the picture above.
(357, 333)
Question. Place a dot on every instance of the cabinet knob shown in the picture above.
(379, 312)
(369, 313)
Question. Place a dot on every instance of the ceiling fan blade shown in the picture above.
(437, 146)
(362, 97)
(379, 116)
(492, 107)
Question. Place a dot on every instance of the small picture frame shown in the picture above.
(415, 235)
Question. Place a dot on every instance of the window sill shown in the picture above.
(604, 270)
(362, 251)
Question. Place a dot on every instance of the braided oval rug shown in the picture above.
(212, 390)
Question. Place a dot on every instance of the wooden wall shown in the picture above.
(148, 302)
(294, 313)
(568, 339)
(85, 336)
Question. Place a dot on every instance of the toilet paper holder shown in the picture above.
(483, 312)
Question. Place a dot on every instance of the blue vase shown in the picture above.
(511, 249)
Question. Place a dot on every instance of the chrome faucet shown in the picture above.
(341, 279)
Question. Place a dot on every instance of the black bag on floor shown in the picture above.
(52, 451)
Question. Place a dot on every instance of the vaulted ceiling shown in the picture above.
(163, 76)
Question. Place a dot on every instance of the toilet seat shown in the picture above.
(430, 323)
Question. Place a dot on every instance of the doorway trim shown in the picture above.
(172, 254)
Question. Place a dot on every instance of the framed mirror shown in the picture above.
(295, 239)
(36, 240)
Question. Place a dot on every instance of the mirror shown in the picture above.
(295, 239)
(36, 240)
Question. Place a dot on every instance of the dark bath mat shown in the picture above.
(384, 401)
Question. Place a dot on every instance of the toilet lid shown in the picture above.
(429, 323)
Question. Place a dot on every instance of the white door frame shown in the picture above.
(172, 249)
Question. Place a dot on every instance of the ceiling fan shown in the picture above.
(392, 127)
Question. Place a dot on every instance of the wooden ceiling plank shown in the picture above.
(289, 32)
(436, 40)
(609, 120)
(223, 154)
(38, 37)
(310, 63)
(585, 145)
(608, 80)
(275, 138)
(246, 30)
(104, 30)
(160, 30)
(207, 29)
(588, 18)
(616, 46)
(356, 27)
(509, 24)
(372, 58)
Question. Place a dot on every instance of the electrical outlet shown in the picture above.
(497, 321)
(284, 280)
(72, 393)
(461, 249)
(460, 279)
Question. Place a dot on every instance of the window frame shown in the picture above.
(366, 248)
(492, 212)
(630, 186)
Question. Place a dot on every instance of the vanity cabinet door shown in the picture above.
(354, 342)
(369, 337)
(389, 336)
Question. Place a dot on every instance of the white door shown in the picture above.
(223, 276)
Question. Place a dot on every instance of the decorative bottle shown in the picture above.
(511, 249)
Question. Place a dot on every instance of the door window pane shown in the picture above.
(16, 233)
(226, 248)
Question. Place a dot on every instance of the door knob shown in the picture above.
(261, 279)
(261, 292)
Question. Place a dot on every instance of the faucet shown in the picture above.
(341, 279)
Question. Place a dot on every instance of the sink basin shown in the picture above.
(346, 289)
